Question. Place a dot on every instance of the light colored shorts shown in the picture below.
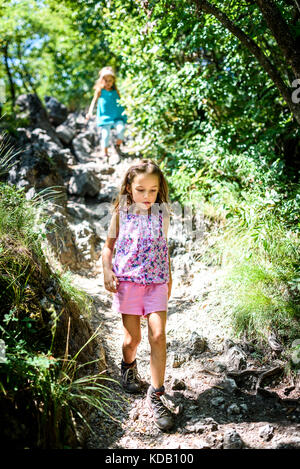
(138, 299)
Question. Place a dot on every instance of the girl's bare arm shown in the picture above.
(166, 224)
(91, 108)
(107, 253)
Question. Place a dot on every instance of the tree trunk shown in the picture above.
(281, 32)
(285, 91)
(10, 78)
(26, 77)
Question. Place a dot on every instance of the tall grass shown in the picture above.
(261, 259)
(53, 389)
(255, 239)
(80, 297)
(40, 394)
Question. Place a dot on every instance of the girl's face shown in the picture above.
(108, 81)
(144, 190)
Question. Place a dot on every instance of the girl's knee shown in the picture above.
(157, 338)
(132, 341)
(120, 127)
(105, 136)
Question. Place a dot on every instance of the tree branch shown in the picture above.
(281, 33)
(9, 75)
(250, 44)
(297, 5)
(23, 69)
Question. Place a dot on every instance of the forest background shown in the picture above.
(212, 92)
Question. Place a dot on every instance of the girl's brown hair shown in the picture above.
(146, 166)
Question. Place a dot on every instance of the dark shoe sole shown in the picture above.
(120, 152)
(138, 391)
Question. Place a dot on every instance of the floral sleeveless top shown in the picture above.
(142, 254)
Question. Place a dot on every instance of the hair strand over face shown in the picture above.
(145, 166)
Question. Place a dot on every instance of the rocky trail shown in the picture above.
(223, 394)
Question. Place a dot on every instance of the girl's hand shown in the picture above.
(169, 288)
(111, 281)
(88, 116)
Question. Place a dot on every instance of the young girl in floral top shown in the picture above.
(140, 276)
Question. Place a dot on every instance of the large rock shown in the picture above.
(49, 157)
(107, 194)
(57, 111)
(86, 241)
(74, 243)
(84, 182)
(82, 148)
(62, 238)
(34, 169)
(65, 133)
(42, 143)
(30, 107)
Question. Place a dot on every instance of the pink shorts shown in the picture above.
(138, 299)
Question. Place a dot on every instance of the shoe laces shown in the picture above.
(157, 401)
(131, 375)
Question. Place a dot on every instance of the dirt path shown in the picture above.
(212, 409)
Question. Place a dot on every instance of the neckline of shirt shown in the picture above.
(142, 214)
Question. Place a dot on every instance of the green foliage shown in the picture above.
(47, 390)
(187, 76)
(201, 104)
(260, 263)
(41, 38)
(75, 293)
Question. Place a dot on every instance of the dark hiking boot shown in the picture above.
(131, 380)
(119, 151)
(162, 417)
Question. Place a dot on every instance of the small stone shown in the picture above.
(198, 344)
(211, 423)
(188, 429)
(196, 427)
(244, 407)
(178, 384)
(211, 440)
(232, 440)
(266, 432)
(217, 401)
(228, 385)
(178, 360)
(235, 358)
(233, 409)
(199, 428)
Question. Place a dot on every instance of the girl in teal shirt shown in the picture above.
(110, 114)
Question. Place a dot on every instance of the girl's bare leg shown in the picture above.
(157, 339)
(132, 336)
